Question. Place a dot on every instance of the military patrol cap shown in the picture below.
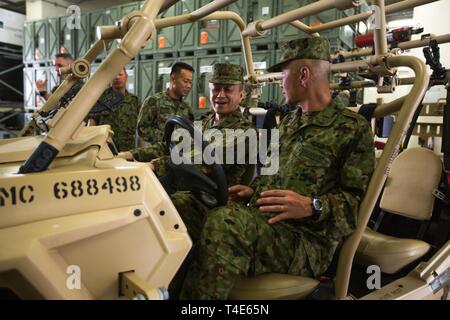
(316, 48)
(227, 73)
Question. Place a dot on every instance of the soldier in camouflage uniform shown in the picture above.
(297, 218)
(158, 108)
(227, 92)
(122, 117)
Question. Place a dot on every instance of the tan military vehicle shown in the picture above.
(77, 222)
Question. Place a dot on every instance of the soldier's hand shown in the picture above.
(240, 192)
(288, 204)
(91, 122)
(41, 85)
(127, 155)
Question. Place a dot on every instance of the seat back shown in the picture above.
(414, 174)
(408, 192)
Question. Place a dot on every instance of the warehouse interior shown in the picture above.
(45, 34)
(33, 32)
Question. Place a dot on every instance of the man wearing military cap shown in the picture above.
(294, 221)
(226, 92)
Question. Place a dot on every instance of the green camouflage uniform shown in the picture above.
(328, 154)
(191, 210)
(153, 115)
(148, 153)
(122, 119)
(246, 101)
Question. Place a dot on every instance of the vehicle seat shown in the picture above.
(271, 286)
(408, 192)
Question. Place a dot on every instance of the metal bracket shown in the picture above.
(440, 195)
(386, 84)
(381, 74)
(441, 281)
(377, 65)
(136, 288)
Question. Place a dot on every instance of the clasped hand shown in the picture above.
(288, 204)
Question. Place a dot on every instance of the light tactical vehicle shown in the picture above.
(77, 222)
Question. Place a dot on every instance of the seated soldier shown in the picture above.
(226, 93)
(297, 218)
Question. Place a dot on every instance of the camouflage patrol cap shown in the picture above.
(316, 48)
(227, 73)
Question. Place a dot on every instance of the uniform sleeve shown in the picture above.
(190, 113)
(147, 154)
(146, 119)
(135, 115)
(136, 106)
(160, 166)
(126, 123)
(341, 205)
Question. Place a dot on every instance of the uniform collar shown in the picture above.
(111, 90)
(167, 94)
(233, 118)
(326, 116)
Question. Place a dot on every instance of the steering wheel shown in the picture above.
(212, 191)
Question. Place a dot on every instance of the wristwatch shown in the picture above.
(317, 207)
